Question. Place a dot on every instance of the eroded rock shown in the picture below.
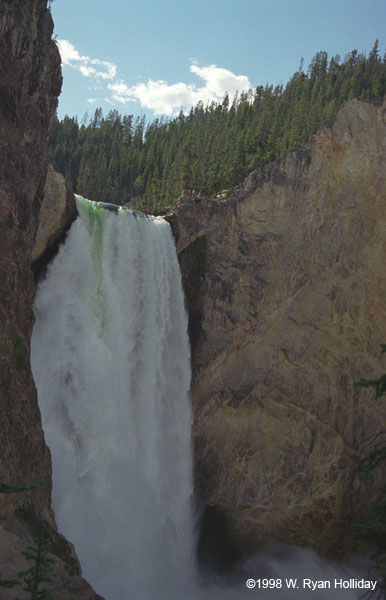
(289, 312)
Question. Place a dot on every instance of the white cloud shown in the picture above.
(168, 99)
(159, 96)
(219, 80)
(88, 67)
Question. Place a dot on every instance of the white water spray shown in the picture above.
(110, 357)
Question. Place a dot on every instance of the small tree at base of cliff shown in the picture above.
(41, 568)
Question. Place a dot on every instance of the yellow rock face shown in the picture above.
(291, 311)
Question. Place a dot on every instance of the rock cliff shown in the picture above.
(30, 85)
(29, 88)
(286, 285)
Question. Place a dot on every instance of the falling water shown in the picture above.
(110, 357)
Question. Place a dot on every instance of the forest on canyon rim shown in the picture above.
(121, 159)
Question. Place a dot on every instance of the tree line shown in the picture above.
(121, 159)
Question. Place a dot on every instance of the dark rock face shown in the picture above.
(31, 83)
(287, 307)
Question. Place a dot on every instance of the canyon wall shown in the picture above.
(29, 88)
(286, 284)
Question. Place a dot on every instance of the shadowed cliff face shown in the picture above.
(29, 87)
(287, 311)
(30, 83)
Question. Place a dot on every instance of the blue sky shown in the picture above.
(155, 57)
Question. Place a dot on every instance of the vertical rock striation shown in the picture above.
(29, 87)
(30, 83)
(286, 287)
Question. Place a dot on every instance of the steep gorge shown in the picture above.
(285, 282)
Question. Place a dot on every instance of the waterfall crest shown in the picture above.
(110, 357)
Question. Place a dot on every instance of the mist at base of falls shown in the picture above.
(110, 357)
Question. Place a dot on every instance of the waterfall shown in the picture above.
(110, 357)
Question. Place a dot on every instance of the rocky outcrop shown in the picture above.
(57, 212)
(286, 286)
(65, 580)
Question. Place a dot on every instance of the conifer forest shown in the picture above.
(122, 159)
